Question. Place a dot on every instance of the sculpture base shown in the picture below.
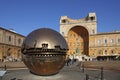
(44, 74)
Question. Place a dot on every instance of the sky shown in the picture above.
(24, 16)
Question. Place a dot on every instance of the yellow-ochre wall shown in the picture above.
(104, 44)
(82, 34)
(10, 45)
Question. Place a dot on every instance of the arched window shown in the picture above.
(64, 21)
(113, 52)
(92, 18)
(105, 51)
(9, 52)
(100, 52)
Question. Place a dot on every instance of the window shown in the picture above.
(73, 44)
(9, 52)
(78, 38)
(9, 39)
(0, 37)
(118, 40)
(77, 50)
(19, 41)
(63, 21)
(99, 41)
(105, 51)
(92, 18)
(93, 31)
(62, 33)
(112, 41)
(99, 51)
(70, 35)
(112, 51)
(74, 36)
(78, 44)
(105, 41)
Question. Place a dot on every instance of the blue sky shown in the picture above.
(25, 16)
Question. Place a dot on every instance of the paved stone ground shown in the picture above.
(108, 65)
(72, 72)
(24, 74)
(67, 73)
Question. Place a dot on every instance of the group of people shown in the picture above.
(10, 59)
(71, 61)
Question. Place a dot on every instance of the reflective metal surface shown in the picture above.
(44, 51)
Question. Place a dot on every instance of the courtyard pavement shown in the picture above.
(67, 73)
(24, 74)
(71, 72)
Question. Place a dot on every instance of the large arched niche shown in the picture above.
(78, 41)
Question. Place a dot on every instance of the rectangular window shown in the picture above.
(9, 39)
(62, 33)
(19, 41)
(112, 41)
(99, 41)
(105, 41)
(118, 40)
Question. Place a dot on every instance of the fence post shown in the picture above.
(87, 77)
(5, 67)
(83, 68)
(101, 77)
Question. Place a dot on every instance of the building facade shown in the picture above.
(84, 40)
(10, 45)
(105, 44)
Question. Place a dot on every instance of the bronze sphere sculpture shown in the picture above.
(44, 51)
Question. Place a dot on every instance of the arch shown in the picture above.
(100, 52)
(18, 53)
(9, 52)
(69, 28)
(112, 51)
(79, 27)
(79, 37)
(106, 52)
